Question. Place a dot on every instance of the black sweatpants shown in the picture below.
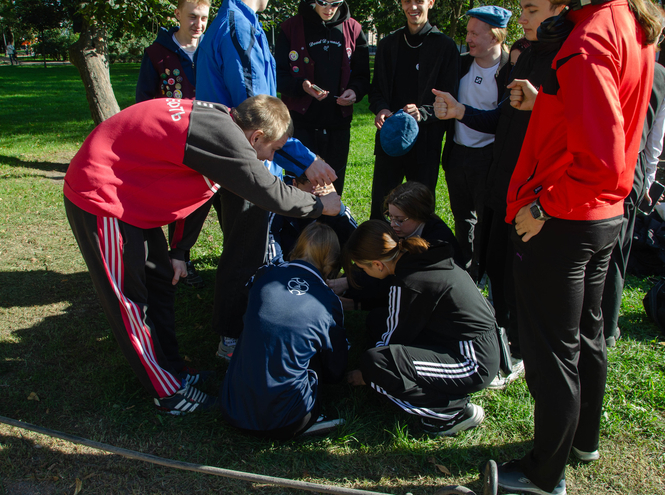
(245, 228)
(466, 174)
(499, 267)
(432, 381)
(559, 280)
(616, 271)
(131, 272)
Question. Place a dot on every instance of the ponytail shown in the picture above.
(374, 240)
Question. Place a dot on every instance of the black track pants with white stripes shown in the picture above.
(132, 273)
(432, 381)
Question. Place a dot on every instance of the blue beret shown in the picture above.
(492, 15)
(398, 134)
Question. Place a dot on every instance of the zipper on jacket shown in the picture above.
(517, 194)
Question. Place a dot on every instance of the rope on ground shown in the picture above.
(199, 468)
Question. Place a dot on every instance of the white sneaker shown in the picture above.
(323, 425)
(502, 381)
(470, 417)
(586, 456)
(226, 347)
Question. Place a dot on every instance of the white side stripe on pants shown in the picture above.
(411, 409)
(111, 247)
(394, 303)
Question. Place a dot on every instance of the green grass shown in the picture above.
(55, 342)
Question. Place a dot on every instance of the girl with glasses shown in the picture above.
(409, 209)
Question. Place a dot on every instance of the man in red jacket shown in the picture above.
(566, 201)
(151, 164)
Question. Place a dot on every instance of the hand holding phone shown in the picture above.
(651, 200)
(314, 91)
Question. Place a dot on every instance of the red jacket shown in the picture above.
(157, 161)
(581, 147)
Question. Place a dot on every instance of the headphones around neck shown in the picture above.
(557, 28)
(579, 4)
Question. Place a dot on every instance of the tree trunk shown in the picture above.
(90, 56)
(455, 14)
(43, 49)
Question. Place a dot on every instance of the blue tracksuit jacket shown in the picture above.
(292, 318)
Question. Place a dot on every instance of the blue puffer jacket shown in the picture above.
(234, 63)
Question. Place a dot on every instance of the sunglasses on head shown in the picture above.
(335, 4)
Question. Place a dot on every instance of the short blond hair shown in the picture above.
(181, 3)
(264, 113)
(318, 244)
(499, 33)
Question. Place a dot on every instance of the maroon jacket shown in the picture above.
(303, 65)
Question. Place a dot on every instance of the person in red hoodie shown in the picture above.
(147, 166)
(565, 200)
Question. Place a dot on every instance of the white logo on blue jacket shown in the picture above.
(298, 286)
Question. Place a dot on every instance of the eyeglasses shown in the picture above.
(391, 219)
(334, 5)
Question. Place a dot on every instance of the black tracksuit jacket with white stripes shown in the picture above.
(434, 302)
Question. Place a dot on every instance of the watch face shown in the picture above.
(535, 212)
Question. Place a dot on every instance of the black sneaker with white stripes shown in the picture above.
(193, 376)
(186, 400)
(323, 425)
(470, 417)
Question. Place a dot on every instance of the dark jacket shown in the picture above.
(333, 55)
(502, 78)
(436, 231)
(510, 124)
(439, 68)
(283, 232)
(292, 318)
(655, 103)
(158, 66)
(434, 302)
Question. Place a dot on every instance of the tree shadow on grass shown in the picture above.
(48, 466)
(49, 167)
(68, 358)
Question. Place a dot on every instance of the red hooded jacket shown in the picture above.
(581, 147)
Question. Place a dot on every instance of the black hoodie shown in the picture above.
(325, 43)
(435, 302)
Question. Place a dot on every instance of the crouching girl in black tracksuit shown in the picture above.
(439, 342)
(293, 336)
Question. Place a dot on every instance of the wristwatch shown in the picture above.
(537, 211)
